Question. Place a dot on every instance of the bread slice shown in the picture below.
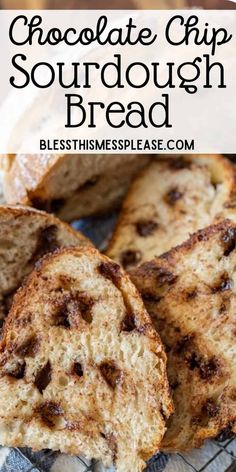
(190, 293)
(2, 198)
(170, 199)
(82, 370)
(72, 186)
(25, 236)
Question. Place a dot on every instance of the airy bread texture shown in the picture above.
(82, 370)
(190, 293)
(25, 236)
(170, 199)
(72, 186)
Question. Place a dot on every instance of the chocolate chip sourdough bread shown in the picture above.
(72, 186)
(171, 198)
(190, 293)
(25, 236)
(82, 370)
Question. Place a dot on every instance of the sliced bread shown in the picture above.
(72, 186)
(25, 236)
(82, 370)
(170, 199)
(190, 293)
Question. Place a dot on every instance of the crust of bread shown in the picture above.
(72, 186)
(26, 235)
(82, 370)
(170, 199)
(190, 293)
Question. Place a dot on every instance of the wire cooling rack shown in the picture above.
(215, 456)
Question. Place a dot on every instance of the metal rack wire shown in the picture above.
(216, 456)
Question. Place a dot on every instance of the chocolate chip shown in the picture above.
(210, 408)
(226, 433)
(28, 347)
(173, 196)
(165, 277)
(43, 377)
(202, 236)
(130, 257)
(224, 284)
(196, 420)
(111, 271)
(146, 227)
(17, 371)
(47, 242)
(209, 368)
(160, 274)
(150, 297)
(78, 369)
(229, 241)
(177, 329)
(129, 323)
(193, 361)
(62, 317)
(48, 411)
(111, 373)
(184, 343)
(190, 295)
(167, 348)
(89, 183)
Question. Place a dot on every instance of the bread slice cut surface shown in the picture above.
(190, 293)
(170, 199)
(82, 370)
(25, 236)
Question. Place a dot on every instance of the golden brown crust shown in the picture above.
(170, 199)
(26, 174)
(190, 294)
(77, 375)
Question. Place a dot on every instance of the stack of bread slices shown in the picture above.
(118, 356)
